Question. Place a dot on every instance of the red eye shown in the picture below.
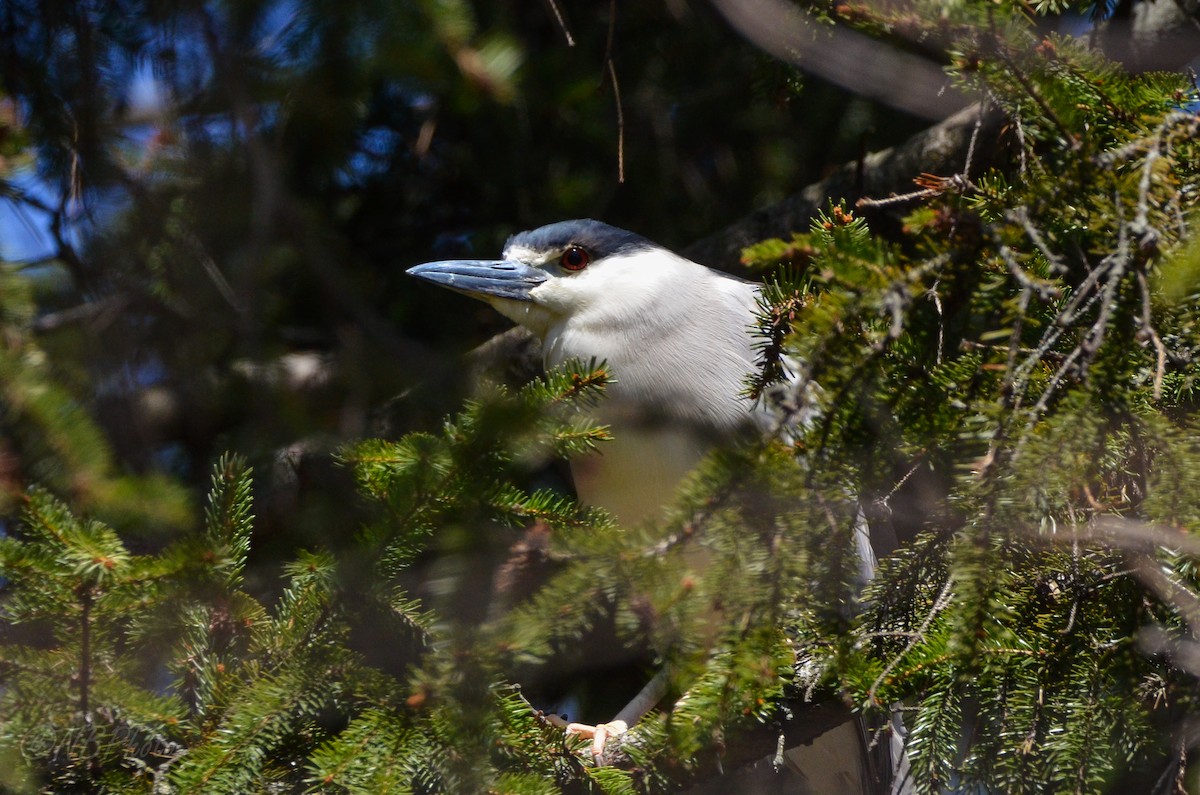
(574, 258)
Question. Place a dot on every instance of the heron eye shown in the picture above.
(574, 258)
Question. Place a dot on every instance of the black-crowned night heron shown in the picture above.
(678, 339)
(675, 334)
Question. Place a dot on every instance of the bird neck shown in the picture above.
(680, 362)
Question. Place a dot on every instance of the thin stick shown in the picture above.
(966, 172)
(612, 73)
(896, 199)
(1033, 93)
(1021, 216)
(562, 22)
(939, 604)
(1148, 327)
(612, 25)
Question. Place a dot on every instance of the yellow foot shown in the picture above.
(599, 735)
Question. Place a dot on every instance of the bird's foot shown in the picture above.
(599, 735)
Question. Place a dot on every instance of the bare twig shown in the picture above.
(1112, 271)
(1012, 397)
(1169, 591)
(86, 600)
(1038, 100)
(966, 172)
(1149, 330)
(1190, 121)
(1020, 215)
(897, 198)
(1045, 290)
(939, 604)
(940, 148)
(612, 27)
(561, 20)
(931, 185)
(941, 339)
(213, 271)
(1020, 128)
(612, 73)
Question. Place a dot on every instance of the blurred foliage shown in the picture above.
(1007, 379)
(1017, 399)
(239, 187)
(46, 437)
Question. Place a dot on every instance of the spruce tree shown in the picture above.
(1003, 363)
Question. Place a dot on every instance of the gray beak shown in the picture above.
(480, 278)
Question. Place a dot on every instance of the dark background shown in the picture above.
(216, 202)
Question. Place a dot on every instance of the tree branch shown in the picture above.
(941, 149)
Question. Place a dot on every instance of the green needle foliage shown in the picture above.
(48, 437)
(159, 672)
(1005, 382)
(1012, 388)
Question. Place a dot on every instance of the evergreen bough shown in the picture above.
(1008, 382)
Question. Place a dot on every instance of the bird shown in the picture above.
(679, 340)
(588, 291)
